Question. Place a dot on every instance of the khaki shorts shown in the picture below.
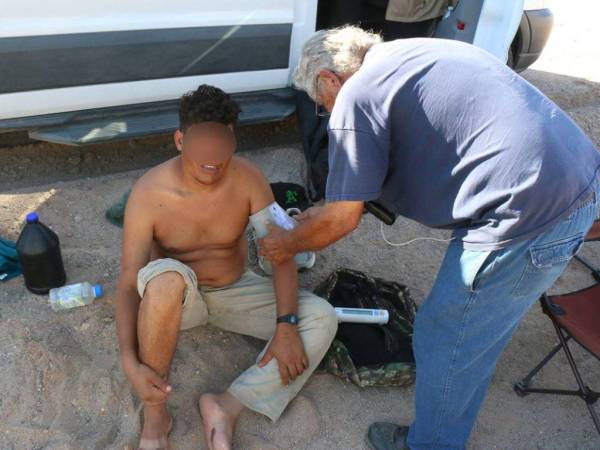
(195, 311)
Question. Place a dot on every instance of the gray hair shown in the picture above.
(340, 50)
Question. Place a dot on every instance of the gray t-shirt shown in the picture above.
(452, 138)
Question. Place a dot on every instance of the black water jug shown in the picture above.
(38, 248)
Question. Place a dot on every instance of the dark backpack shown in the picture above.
(366, 354)
(290, 195)
(313, 130)
(315, 143)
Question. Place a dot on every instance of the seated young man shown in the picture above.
(183, 265)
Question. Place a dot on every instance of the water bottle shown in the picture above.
(74, 295)
(38, 249)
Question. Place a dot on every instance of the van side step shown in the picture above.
(112, 124)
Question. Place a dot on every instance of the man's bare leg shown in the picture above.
(159, 319)
(219, 413)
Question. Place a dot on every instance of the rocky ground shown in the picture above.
(61, 386)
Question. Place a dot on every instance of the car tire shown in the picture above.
(510, 62)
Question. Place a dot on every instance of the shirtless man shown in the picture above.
(183, 265)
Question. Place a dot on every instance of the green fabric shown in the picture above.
(337, 361)
(9, 260)
(116, 213)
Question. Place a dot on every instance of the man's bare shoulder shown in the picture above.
(246, 171)
(253, 183)
(155, 183)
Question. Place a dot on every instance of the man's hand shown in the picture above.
(148, 385)
(287, 348)
(275, 246)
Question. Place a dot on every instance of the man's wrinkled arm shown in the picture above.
(326, 225)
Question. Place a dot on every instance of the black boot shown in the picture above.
(387, 436)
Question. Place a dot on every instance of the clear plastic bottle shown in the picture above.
(74, 295)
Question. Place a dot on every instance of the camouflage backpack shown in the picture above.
(366, 354)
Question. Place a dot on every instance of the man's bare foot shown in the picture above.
(219, 414)
(157, 426)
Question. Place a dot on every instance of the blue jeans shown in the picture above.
(475, 305)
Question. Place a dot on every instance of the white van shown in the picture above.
(80, 72)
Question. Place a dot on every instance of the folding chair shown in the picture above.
(575, 316)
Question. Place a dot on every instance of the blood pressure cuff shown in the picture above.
(369, 354)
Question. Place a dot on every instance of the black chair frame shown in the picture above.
(589, 396)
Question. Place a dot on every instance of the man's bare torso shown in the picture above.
(205, 229)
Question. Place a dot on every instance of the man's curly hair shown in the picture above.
(207, 104)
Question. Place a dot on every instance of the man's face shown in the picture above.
(206, 150)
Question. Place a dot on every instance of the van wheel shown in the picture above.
(510, 62)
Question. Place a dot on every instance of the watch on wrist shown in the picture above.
(288, 318)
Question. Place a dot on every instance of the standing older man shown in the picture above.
(454, 139)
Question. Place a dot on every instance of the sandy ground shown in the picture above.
(61, 386)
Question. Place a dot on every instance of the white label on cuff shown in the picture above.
(281, 218)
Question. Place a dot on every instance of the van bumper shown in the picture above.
(534, 31)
